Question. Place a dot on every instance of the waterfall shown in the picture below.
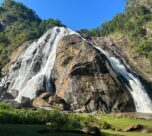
(33, 69)
(141, 99)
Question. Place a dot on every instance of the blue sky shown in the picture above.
(77, 14)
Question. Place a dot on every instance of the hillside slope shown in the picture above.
(131, 31)
(19, 24)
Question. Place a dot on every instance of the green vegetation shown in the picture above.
(19, 24)
(69, 121)
(58, 119)
(135, 24)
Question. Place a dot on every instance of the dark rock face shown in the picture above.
(138, 64)
(7, 96)
(1, 91)
(26, 102)
(85, 79)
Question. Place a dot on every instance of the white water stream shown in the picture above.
(36, 64)
(142, 101)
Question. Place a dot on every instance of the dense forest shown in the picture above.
(19, 24)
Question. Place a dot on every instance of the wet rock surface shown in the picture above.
(85, 79)
(7, 96)
(136, 62)
(26, 102)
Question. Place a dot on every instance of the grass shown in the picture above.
(18, 122)
(122, 122)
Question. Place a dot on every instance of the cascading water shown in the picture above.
(33, 69)
(142, 101)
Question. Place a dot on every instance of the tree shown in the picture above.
(8, 3)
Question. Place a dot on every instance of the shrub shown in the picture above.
(5, 105)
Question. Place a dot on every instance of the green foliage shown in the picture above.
(64, 120)
(46, 24)
(19, 24)
(132, 24)
(144, 47)
(5, 106)
(3, 39)
(89, 33)
(56, 118)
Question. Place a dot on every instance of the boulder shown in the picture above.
(147, 130)
(14, 93)
(46, 100)
(26, 102)
(133, 128)
(58, 102)
(91, 130)
(51, 100)
(39, 102)
(82, 110)
(45, 96)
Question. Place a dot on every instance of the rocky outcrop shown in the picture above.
(119, 47)
(25, 102)
(133, 128)
(85, 78)
(13, 57)
(39, 102)
(46, 100)
(7, 96)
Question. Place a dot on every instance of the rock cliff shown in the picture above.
(85, 76)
